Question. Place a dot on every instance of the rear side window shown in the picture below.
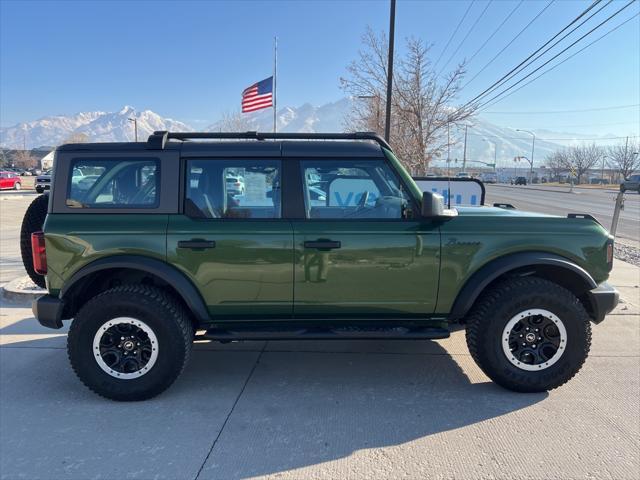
(233, 188)
(113, 183)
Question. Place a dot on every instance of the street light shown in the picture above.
(135, 126)
(495, 152)
(533, 147)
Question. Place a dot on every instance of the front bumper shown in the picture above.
(603, 299)
(48, 310)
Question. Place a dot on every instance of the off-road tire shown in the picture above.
(490, 314)
(169, 321)
(32, 221)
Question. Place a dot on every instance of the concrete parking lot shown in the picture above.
(312, 409)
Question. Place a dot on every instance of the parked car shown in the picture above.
(463, 175)
(142, 262)
(235, 185)
(519, 181)
(631, 184)
(43, 182)
(10, 180)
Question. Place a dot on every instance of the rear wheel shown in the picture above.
(33, 221)
(130, 342)
(529, 334)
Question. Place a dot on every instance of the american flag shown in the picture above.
(257, 96)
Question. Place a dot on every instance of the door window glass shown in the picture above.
(111, 183)
(352, 189)
(233, 189)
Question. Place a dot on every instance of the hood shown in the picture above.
(499, 212)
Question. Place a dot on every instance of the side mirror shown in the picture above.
(432, 205)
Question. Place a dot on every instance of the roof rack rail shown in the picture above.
(158, 140)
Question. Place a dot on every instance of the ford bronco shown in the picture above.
(328, 237)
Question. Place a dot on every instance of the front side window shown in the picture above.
(233, 189)
(113, 183)
(353, 189)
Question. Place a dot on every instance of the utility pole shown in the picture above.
(533, 147)
(392, 21)
(464, 155)
(135, 127)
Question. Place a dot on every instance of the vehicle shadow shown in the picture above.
(308, 403)
(288, 405)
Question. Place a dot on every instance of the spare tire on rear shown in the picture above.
(33, 221)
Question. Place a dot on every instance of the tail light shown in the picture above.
(237, 184)
(39, 253)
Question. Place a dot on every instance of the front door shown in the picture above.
(232, 241)
(362, 250)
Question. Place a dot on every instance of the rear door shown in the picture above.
(362, 250)
(234, 243)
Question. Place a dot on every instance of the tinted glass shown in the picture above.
(233, 189)
(352, 189)
(122, 183)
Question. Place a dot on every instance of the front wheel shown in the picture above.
(529, 334)
(17, 186)
(130, 342)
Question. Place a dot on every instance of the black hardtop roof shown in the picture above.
(283, 148)
(250, 144)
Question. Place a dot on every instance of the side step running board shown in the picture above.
(395, 333)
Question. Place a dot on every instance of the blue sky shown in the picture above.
(189, 60)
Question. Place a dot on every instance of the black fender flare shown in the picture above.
(185, 288)
(495, 268)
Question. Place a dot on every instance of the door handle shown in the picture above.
(322, 244)
(196, 243)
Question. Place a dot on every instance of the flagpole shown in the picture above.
(275, 75)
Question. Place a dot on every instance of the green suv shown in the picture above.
(325, 240)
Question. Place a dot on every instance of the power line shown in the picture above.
(496, 30)
(541, 54)
(454, 33)
(500, 80)
(595, 109)
(466, 36)
(486, 103)
(553, 139)
(509, 44)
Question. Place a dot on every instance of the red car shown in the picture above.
(10, 180)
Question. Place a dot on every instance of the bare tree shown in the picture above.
(423, 103)
(624, 158)
(77, 137)
(24, 159)
(233, 122)
(584, 157)
(557, 162)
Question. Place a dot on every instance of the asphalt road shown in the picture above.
(558, 201)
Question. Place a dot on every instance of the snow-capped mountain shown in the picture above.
(97, 126)
(330, 117)
(307, 118)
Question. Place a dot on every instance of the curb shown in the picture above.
(537, 189)
(21, 290)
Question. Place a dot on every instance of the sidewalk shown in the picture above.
(626, 278)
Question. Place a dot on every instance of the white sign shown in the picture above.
(463, 191)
